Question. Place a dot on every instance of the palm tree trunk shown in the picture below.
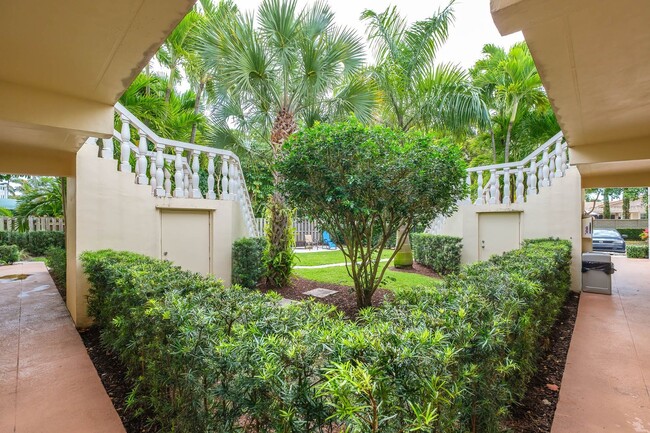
(513, 117)
(279, 263)
(494, 145)
(170, 81)
(197, 105)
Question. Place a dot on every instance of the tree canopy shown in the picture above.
(362, 183)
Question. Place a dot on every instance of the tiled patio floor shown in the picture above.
(605, 384)
(48, 383)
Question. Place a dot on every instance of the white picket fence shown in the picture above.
(48, 224)
(302, 227)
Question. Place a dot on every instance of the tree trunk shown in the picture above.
(364, 299)
(606, 210)
(494, 145)
(513, 117)
(170, 82)
(197, 105)
(279, 258)
(626, 207)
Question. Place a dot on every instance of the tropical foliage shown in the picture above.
(363, 183)
(40, 196)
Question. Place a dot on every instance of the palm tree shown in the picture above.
(293, 66)
(510, 86)
(42, 196)
(175, 48)
(414, 91)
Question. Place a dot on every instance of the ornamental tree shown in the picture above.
(363, 183)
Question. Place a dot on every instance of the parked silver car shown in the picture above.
(608, 240)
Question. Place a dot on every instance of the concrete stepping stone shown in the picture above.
(320, 293)
(284, 302)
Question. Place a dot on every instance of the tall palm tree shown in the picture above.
(171, 54)
(41, 196)
(510, 85)
(293, 66)
(415, 92)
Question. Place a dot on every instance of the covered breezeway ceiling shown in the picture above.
(594, 60)
(63, 66)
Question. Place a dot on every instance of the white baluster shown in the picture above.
(107, 148)
(551, 167)
(224, 178)
(532, 180)
(161, 173)
(558, 159)
(497, 192)
(168, 183)
(520, 184)
(565, 157)
(506, 186)
(545, 169)
(493, 187)
(468, 181)
(196, 191)
(125, 149)
(211, 194)
(152, 174)
(178, 175)
(141, 165)
(479, 189)
(233, 185)
(186, 182)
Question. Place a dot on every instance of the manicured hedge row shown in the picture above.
(632, 234)
(637, 251)
(207, 358)
(440, 253)
(34, 243)
(9, 254)
(248, 261)
(55, 259)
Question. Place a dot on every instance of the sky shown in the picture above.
(473, 27)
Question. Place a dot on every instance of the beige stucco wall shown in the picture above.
(554, 212)
(106, 209)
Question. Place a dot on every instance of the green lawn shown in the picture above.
(326, 258)
(339, 275)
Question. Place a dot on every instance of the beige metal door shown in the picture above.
(498, 232)
(186, 239)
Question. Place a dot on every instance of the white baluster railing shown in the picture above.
(533, 173)
(172, 168)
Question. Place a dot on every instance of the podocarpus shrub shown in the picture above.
(207, 358)
(637, 251)
(440, 253)
(34, 243)
(55, 259)
(9, 254)
(248, 265)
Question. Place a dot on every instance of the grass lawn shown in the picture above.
(392, 279)
(326, 258)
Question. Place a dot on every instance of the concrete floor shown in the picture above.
(48, 384)
(605, 384)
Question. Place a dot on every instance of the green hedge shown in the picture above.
(637, 251)
(207, 358)
(632, 234)
(440, 253)
(248, 262)
(9, 254)
(34, 243)
(55, 259)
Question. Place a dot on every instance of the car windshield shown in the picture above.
(609, 234)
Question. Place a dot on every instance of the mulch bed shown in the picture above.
(113, 375)
(417, 269)
(344, 300)
(536, 411)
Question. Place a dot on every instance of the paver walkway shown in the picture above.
(48, 384)
(605, 383)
